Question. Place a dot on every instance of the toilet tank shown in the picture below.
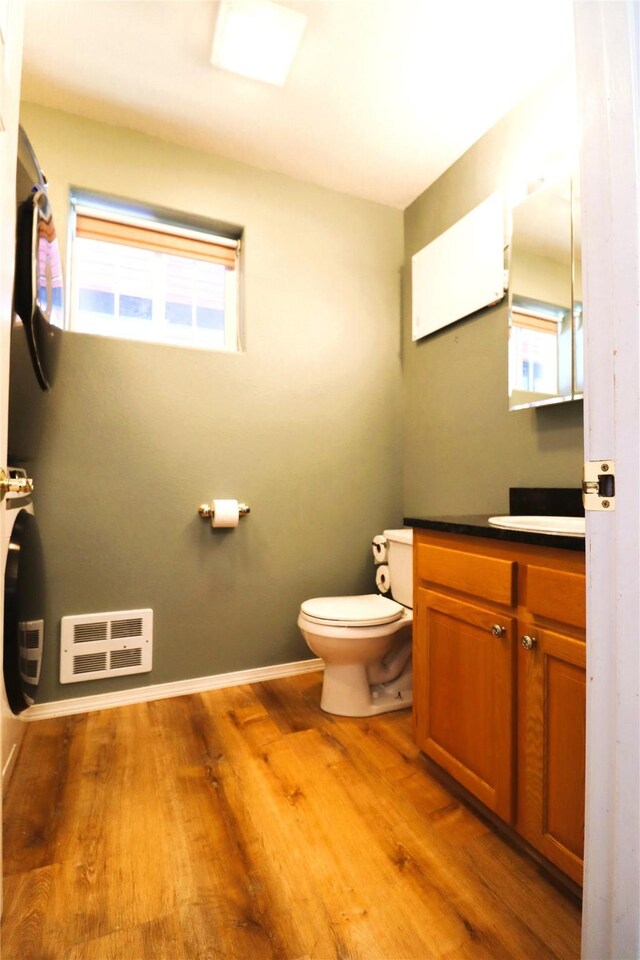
(400, 560)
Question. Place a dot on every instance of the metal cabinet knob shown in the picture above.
(528, 642)
(497, 630)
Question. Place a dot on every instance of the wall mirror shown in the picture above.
(545, 311)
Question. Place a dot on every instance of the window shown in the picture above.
(536, 353)
(138, 274)
(535, 335)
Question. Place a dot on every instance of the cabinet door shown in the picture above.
(464, 706)
(552, 747)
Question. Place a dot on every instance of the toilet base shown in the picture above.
(346, 691)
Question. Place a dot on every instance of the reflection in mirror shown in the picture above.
(540, 334)
(539, 341)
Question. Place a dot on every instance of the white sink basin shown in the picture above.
(560, 526)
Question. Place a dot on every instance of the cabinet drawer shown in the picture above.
(557, 594)
(491, 578)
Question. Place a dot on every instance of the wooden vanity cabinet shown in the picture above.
(551, 716)
(507, 721)
(464, 668)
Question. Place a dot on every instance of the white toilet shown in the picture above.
(365, 641)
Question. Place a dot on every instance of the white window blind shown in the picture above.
(152, 281)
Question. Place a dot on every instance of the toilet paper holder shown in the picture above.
(207, 510)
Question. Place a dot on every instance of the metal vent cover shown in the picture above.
(30, 644)
(89, 663)
(112, 644)
(85, 632)
(125, 658)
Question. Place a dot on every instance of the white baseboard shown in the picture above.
(161, 691)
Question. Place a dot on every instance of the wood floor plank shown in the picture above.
(421, 880)
(31, 826)
(277, 860)
(360, 878)
(228, 906)
(125, 815)
(431, 845)
(245, 824)
(554, 917)
(160, 938)
(383, 748)
(293, 709)
(26, 899)
(112, 808)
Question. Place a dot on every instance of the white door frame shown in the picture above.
(11, 39)
(608, 60)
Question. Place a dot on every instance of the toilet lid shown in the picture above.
(363, 611)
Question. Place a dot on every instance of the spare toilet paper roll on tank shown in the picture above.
(226, 513)
(382, 579)
(380, 548)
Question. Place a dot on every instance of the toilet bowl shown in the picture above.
(365, 640)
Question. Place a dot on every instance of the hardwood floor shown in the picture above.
(245, 824)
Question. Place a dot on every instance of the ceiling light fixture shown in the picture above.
(257, 38)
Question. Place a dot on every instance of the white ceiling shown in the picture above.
(383, 95)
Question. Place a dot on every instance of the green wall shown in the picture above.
(304, 425)
(463, 448)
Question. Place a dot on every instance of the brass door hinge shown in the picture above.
(599, 485)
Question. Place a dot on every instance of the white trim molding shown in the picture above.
(162, 691)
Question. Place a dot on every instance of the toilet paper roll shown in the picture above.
(382, 579)
(226, 513)
(380, 548)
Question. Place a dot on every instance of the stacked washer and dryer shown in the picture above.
(35, 342)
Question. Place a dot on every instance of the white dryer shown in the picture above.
(35, 343)
(23, 621)
(24, 585)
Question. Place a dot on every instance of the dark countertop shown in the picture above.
(479, 526)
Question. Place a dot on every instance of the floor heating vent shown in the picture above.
(106, 645)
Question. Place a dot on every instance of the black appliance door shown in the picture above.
(23, 613)
(38, 299)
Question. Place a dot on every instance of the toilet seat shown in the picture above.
(360, 611)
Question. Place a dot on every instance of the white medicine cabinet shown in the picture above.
(545, 297)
